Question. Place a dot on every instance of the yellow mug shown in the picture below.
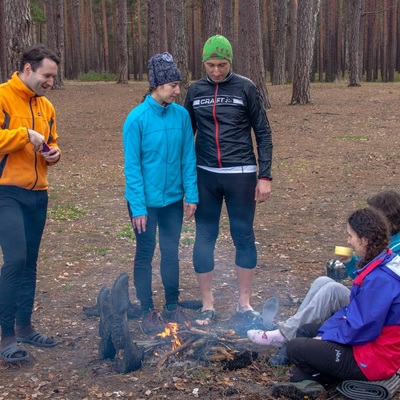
(343, 251)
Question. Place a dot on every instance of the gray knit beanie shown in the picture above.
(162, 69)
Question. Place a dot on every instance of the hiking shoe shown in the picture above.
(298, 390)
(174, 313)
(120, 294)
(152, 323)
(280, 359)
(106, 348)
(134, 311)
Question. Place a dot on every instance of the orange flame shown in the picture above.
(171, 330)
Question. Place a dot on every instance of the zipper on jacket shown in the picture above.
(33, 128)
(166, 157)
(214, 113)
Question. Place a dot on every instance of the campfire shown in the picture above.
(207, 345)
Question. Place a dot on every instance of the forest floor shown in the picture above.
(328, 158)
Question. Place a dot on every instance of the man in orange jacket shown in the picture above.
(28, 145)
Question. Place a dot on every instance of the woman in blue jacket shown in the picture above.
(161, 185)
(360, 341)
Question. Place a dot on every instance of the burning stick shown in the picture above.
(174, 351)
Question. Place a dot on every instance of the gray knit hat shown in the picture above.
(162, 69)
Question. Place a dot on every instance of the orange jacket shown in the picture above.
(20, 110)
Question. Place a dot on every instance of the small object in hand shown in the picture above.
(45, 150)
(343, 251)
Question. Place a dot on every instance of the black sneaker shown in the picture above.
(174, 313)
(280, 359)
(152, 323)
(298, 390)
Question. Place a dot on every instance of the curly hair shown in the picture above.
(371, 224)
(388, 202)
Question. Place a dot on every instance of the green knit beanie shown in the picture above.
(217, 47)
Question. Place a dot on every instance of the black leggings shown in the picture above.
(169, 222)
(22, 220)
(321, 360)
(238, 190)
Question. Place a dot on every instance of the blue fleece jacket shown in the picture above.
(160, 160)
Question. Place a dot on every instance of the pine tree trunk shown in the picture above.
(304, 55)
(279, 77)
(3, 60)
(179, 44)
(354, 43)
(18, 26)
(293, 38)
(157, 27)
(212, 18)
(122, 76)
(250, 26)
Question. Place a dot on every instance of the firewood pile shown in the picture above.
(205, 345)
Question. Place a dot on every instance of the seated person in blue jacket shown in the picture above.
(325, 295)
(361, 341)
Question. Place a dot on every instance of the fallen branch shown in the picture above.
(174, 351)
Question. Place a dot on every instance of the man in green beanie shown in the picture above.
(224, 107)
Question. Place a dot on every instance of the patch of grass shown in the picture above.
(298, 164)
(95, 250)
(187, 241)
(92, 76)
(186, 229)
(351, 137)
(65, 213)
(126, 232)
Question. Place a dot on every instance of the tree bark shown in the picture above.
(304, 54)
(212, 18)
(18, 27)
(157, 27)
(227, 20)
(249, 18)
(393, 4)
(279, 77)
(180, 44)
(122, 76)
(354, 43)
(140, 41)
(3, 60)
(293, 38)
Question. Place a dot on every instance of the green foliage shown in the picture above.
(37, 11)
(92, 76)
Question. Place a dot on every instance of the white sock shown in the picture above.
(267, 338)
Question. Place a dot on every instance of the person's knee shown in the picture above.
(294, 346)
(322, 280)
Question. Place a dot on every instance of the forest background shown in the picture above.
(328, 158)
(280, 41)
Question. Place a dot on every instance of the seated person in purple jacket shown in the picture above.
(360, 341)
(326, 296)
